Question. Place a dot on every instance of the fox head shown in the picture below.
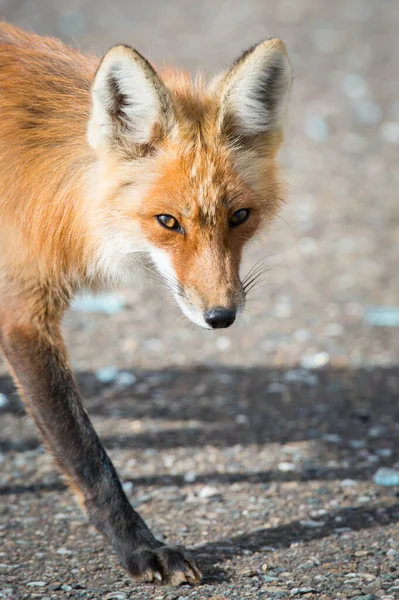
(186, 171)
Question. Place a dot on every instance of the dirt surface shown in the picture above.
(255, 447)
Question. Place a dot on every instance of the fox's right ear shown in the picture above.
(129, 101)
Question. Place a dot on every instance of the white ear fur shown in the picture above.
(255, 90)
(128, 99)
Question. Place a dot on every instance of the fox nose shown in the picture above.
(219, 317)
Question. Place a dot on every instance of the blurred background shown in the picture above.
(308, 379)
(334, 248)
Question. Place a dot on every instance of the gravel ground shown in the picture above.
(257, 446)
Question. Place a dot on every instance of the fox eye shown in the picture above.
(239, 217)
(169, 222)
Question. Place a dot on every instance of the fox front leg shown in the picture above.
(38, 360)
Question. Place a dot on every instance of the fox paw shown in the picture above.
(167, 565)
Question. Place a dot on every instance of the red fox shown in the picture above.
(104, 162)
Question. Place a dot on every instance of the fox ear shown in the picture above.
(254, 92)
(128, 100)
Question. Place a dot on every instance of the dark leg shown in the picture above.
(39, 362)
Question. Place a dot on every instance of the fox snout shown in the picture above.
(220, 317)
(216, 310)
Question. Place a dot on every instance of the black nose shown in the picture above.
(219, 317)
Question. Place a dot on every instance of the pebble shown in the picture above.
(64, 552)
(301, 376)
(302, 590)
(125, 378)
(368, 112)
(108, 304)
(348, 483)
(311, 523)
(222, 343)
(356, 444)
(285, 467)
(383, 316)
(377, 431)
(316, 128)
(332, 438)
(36, 583)
(389, 132)
(3, 400)
(354, 86)
(386, 477)
(384, 452)
(127, 487)
(106, 374)
(208, 491)
(314, 361)
(276, 388)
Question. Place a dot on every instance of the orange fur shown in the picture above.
(59, 201)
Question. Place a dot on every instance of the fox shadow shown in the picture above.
(229, 406)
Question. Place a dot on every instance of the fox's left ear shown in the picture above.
(130, 102)
(254, 91)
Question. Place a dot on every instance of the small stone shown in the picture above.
(276, 388)
(332, 438)
(314, 361)
(108, 304)
(222, 343)
(64, 552)
(302, 590)
(385, 452)
(3, 400)
(389, 132)
(383, 316)
(190, 477)
(285, 467)
(125, 379)
(311, 523)
(368, 112)
(386, 477)
(348, 483)
(364, 499)
(316, 128)
(377, 431)
(127, 487)
(264, 567)
(36, 583)
(66, 588)
(354, 86)
(357, 444)
(208, 491)
(107, 374)
(301, 376)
